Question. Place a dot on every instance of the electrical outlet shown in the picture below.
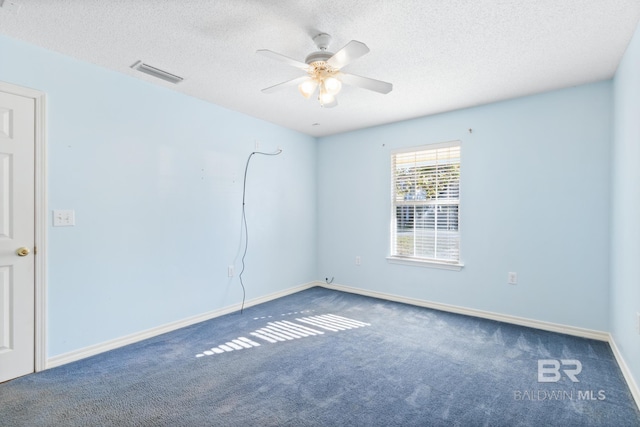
(358, 260)
(257, 145)
(230, 271)
(512, 278)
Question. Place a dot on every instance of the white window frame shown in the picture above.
(412, 259)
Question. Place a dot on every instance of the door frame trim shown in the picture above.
(40, 226)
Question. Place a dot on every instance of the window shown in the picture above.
(426, 204)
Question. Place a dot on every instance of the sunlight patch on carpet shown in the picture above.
(291, 313)
(285, 330)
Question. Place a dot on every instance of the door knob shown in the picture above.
(24, 251)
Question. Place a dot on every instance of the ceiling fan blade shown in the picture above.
(352, 51)
(279, 57)
(366, 83)
(286, 84)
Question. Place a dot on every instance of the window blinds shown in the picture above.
(426, 201)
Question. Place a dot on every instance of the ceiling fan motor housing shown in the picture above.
(321, 55)
(322, 41)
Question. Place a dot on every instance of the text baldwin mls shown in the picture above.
(559, 395)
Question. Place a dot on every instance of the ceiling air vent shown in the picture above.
(156, 72)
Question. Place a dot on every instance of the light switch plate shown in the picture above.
(64, 218)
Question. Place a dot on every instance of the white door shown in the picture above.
(17, 235)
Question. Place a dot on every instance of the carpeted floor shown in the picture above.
(326, 358)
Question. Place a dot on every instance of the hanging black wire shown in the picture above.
(244, 220)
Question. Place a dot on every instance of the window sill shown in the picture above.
(425, 263)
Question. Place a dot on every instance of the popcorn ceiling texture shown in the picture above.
(439, 55)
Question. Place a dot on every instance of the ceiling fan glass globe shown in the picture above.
(332, 85)
(307, 87)
(326, 98)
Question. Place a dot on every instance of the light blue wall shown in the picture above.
(155, 178)
(535, 201)
(625, 218)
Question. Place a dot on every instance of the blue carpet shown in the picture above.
(327, 358)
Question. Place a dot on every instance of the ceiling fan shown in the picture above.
(324, 73)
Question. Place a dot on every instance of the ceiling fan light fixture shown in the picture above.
(324, 71)
(332, 85)
(308, 87)
(325, 98)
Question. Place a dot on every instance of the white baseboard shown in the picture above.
(626, 372)
(149, 333)
(522, 321)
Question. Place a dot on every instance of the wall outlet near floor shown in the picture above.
(358, 260)
(512, 278)
(230, 271)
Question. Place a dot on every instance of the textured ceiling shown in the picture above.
(440, 55)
